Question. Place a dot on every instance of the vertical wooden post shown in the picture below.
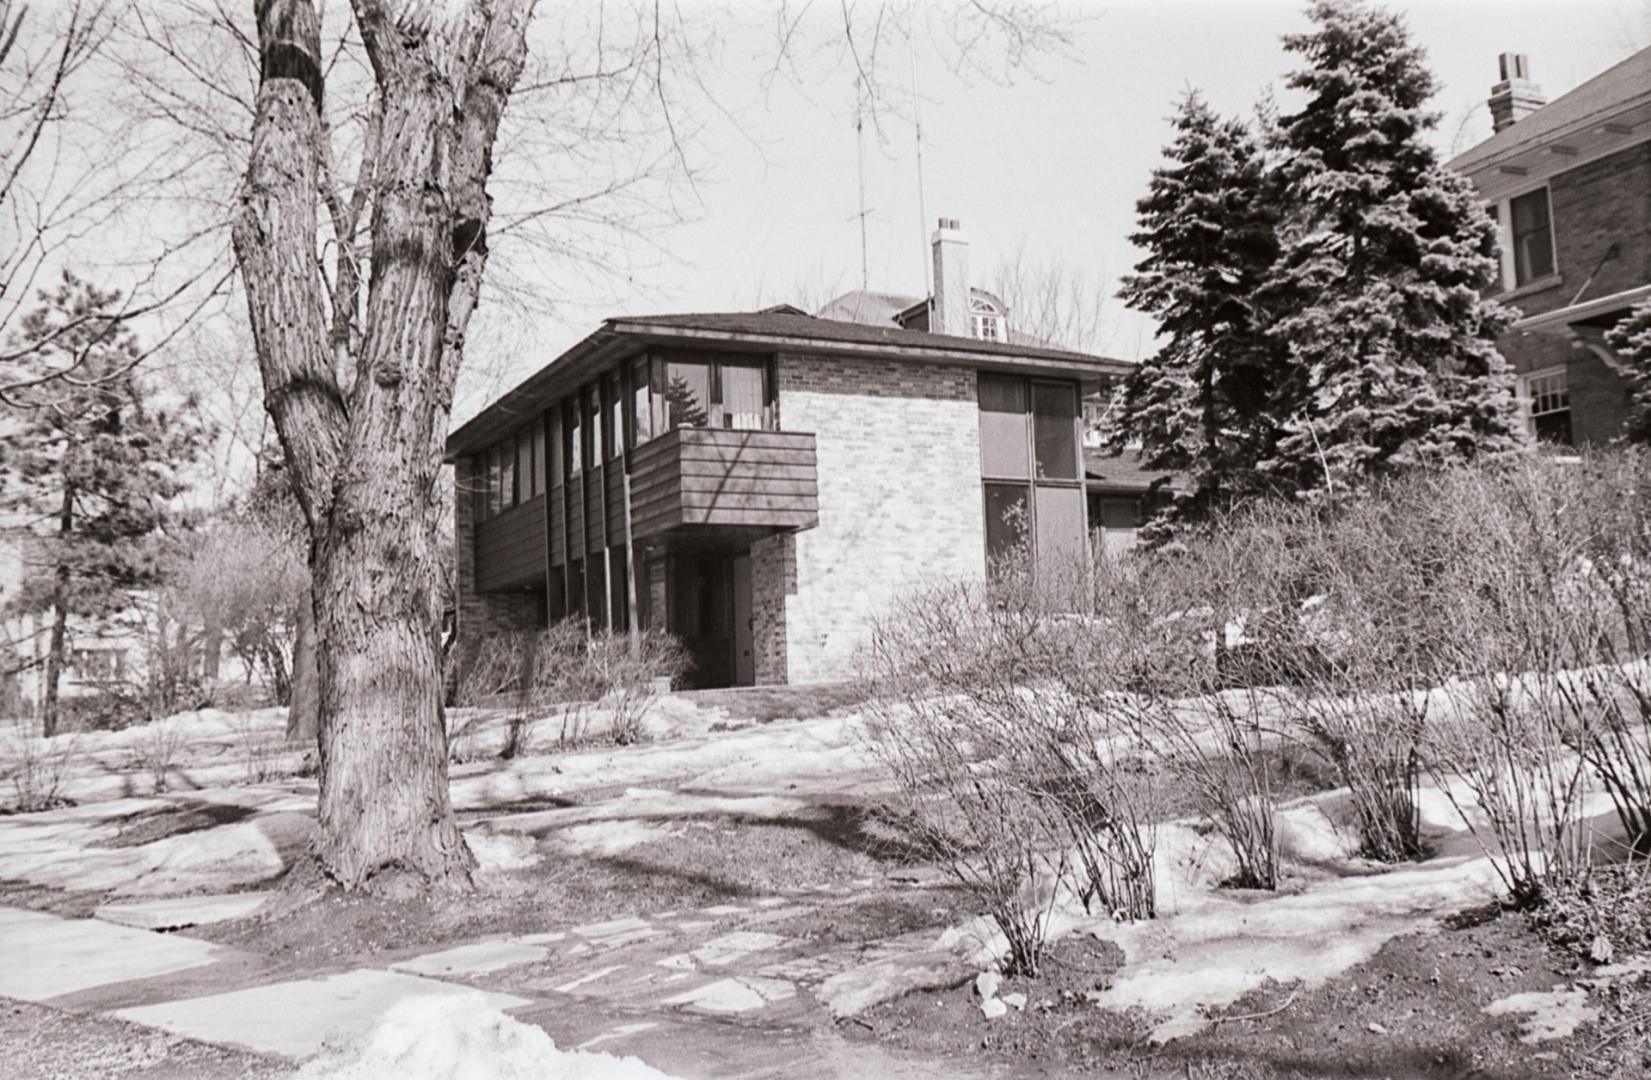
(630, 576)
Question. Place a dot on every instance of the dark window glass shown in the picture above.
(575, 441)
(576, 587)
(1055, 411)
(688, 394)
(642, 417)
(539, 457)
(614, 387)
(1533, 239)
(507, 475)
(743, 399)
(1003, 439)
(524, 467)
(1008, 521)
(621, 595)
(478, 487)
(593, 427)
(495, 476)
(553, 443)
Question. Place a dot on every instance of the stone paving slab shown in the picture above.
(477, 959)
(47, 956)
(295, 1018)
(175, 913)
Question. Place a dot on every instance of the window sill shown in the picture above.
(1541, 284)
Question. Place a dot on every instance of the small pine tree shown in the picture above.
(1631, 338)
(1200, 405)
(1386, 254)
(90, 466)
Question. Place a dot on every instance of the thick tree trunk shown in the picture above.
(366, 471)
(54, 670)
(304, 691)
(60, 618)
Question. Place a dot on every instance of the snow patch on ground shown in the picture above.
(464, 1038)
(497, 852)
(1552, 1014)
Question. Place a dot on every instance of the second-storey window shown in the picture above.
(1530, 232)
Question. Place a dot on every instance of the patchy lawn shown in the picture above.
(1415, 1009)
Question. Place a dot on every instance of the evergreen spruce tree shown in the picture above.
(89, 466)
(1385, 256)
(1200, 405)
(1631, 338)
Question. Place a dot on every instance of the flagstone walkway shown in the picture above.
(705, 994)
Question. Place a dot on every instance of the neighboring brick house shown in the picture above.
(1570, 184)
(762, 484)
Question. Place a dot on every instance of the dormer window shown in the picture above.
(986, 320)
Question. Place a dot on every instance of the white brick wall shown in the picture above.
(900, 497)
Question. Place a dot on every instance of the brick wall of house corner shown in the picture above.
(773, 579)
(898, 447)
(478, 614)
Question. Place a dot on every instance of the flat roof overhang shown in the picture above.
(622, 339)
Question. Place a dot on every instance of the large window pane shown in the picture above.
(1003, 437)
(553, 443)
(575, 440)
(494, 474)
(642, 416)
(478, 487)
(539, 457)
(1533, 242)
(1055, 413)
(614, 388)
(688, 394)
(507, 474)
(1007, 521)
(742, 397)
(1060, 537)
(524, 466)
(593, 427)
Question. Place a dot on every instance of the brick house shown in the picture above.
(763, 484)
(1569, 181)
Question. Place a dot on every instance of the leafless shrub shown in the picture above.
(158, 750)
(259, 747)
(1006, 778)
(1154, 655)
(572, 674)
(37, 767)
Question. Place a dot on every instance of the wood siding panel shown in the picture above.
(510, 548)
(703, 476)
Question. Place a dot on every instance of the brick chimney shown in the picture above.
(950, 313)
(1515, 97)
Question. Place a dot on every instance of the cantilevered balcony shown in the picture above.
(703, 481)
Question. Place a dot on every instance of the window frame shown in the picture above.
(1501, 212)
(1529, 394)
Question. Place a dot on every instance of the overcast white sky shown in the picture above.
(1051, 164)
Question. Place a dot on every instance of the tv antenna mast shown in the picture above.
(922, 210)
(860, 146)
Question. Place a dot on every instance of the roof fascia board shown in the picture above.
(1098, 365)
(1576, 312)
(1559, 135)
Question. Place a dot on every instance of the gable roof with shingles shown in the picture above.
(1615, 90)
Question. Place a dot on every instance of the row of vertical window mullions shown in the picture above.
(1029, 447)
(649, 396)
(509, 473)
